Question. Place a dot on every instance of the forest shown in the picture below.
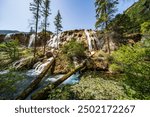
(111, 62)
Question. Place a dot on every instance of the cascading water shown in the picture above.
(95, 38)
(8, 36)
(4, 72)
(89, 40)
(39, 68)
(54, 42)
(75, 78)
(31, 40)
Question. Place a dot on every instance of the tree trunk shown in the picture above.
(35, 83)
(57, 39)
(45, 37)
(36, 26)
(43, 93)
(108, 44)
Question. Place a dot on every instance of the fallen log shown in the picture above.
(43, 93)
(35, 83)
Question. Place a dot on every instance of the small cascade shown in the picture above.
(31, 40)
(18, 64)
(95, 38)
(39, 68)
(53, 42)
(89, 40)
(8, 36)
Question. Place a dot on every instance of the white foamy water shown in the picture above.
(31, 40)
(89, 40)
(54, 41)
(4, 72)
(39, 68)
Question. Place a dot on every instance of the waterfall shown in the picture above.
(31, 40)
(8, 36)
(98, 43)
(89, 40)
(53, 41)
(39, 68)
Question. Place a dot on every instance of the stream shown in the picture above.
(29, 76)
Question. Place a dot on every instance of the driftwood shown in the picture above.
(35, 83)
(43, 93)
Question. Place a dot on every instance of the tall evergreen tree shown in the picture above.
(35, 9)
(45, 14)
(58, 24)
(105, 10)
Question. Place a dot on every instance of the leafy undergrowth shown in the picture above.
(8, 84)
(93, 86)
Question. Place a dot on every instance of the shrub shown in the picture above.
(11, 49)
(74, 49)
(135, 63)
(145, 27)
(115, 68)
(8, 84)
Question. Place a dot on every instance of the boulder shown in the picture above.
(49, 54)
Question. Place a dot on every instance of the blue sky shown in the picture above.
(76, 14)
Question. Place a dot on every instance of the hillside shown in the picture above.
(138, 14)
(8, 31)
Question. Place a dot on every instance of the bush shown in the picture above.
(145, 27)
(11, 49)
(8, 84)
(74, 49)
(114, 68)
(135, 63)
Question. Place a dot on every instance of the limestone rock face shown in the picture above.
(93, 40)
(66, 36)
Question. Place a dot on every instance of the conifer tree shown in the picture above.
(105, 10)
(45, 14)
(35, 9)
(58, 24)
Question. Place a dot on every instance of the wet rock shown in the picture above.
(24, 63)
(49, 54)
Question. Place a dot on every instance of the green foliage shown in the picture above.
(114, 68)
(7, 84)
(62, 93)
(11, 49)
(74, 49)
(104, 12)
(145, 27)
(91, 87)
(58, 22)
(121, 24)
(138, 13)
(135, 63)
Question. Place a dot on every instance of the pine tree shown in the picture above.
(45, 14)
(105, 10)
(35, 9)
(57, 22)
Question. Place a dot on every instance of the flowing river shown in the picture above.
(29, 76)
